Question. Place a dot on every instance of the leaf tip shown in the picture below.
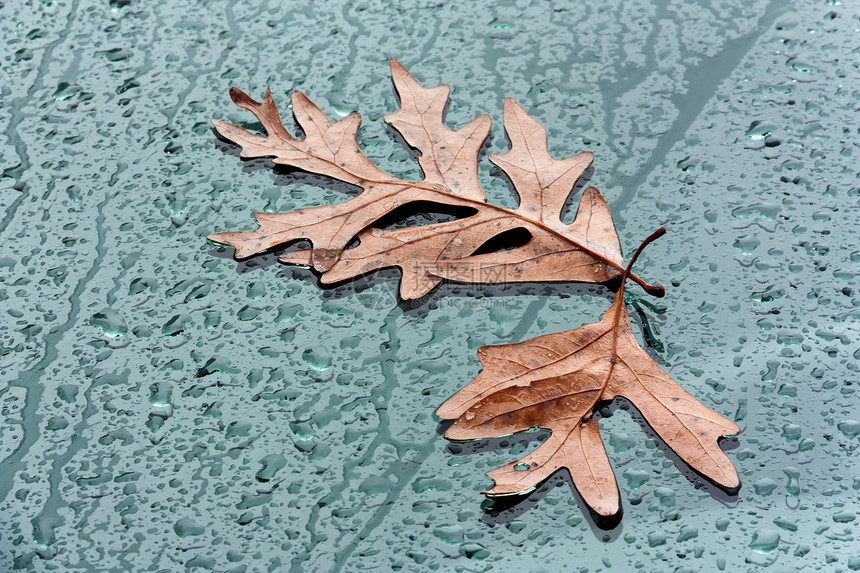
(658, 291)
(243, 249)
(593, 192)
(399, 73)
(446, 412)
(225, 240)
(299, 258)
(607, 508)
(511, 105)
(460, 432)
(240, 98)
(483, 122)
(507, 491)
(730, 481)
(299, 96)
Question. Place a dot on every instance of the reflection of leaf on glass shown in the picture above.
(556, 380)
(586, 250)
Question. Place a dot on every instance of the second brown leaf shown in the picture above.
(556, 382)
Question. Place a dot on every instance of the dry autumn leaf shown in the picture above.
(555, 382)
(586, 250)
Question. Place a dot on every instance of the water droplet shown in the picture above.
(317, 358)
(636, 478)
(765, 541)
(109, 322)
(186, 527)
(849, 428)
(747, 244)
(764, 486)
(272, 463)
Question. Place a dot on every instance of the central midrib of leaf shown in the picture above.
(447, 193)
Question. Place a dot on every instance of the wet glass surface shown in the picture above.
(167, 408)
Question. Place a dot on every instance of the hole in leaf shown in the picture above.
(420, 213)
(509, 240)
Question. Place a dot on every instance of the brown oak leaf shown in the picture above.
(586, 250)
(556, 381)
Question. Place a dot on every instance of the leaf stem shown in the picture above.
(651, 238)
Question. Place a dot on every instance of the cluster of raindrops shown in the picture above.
(165, 407)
